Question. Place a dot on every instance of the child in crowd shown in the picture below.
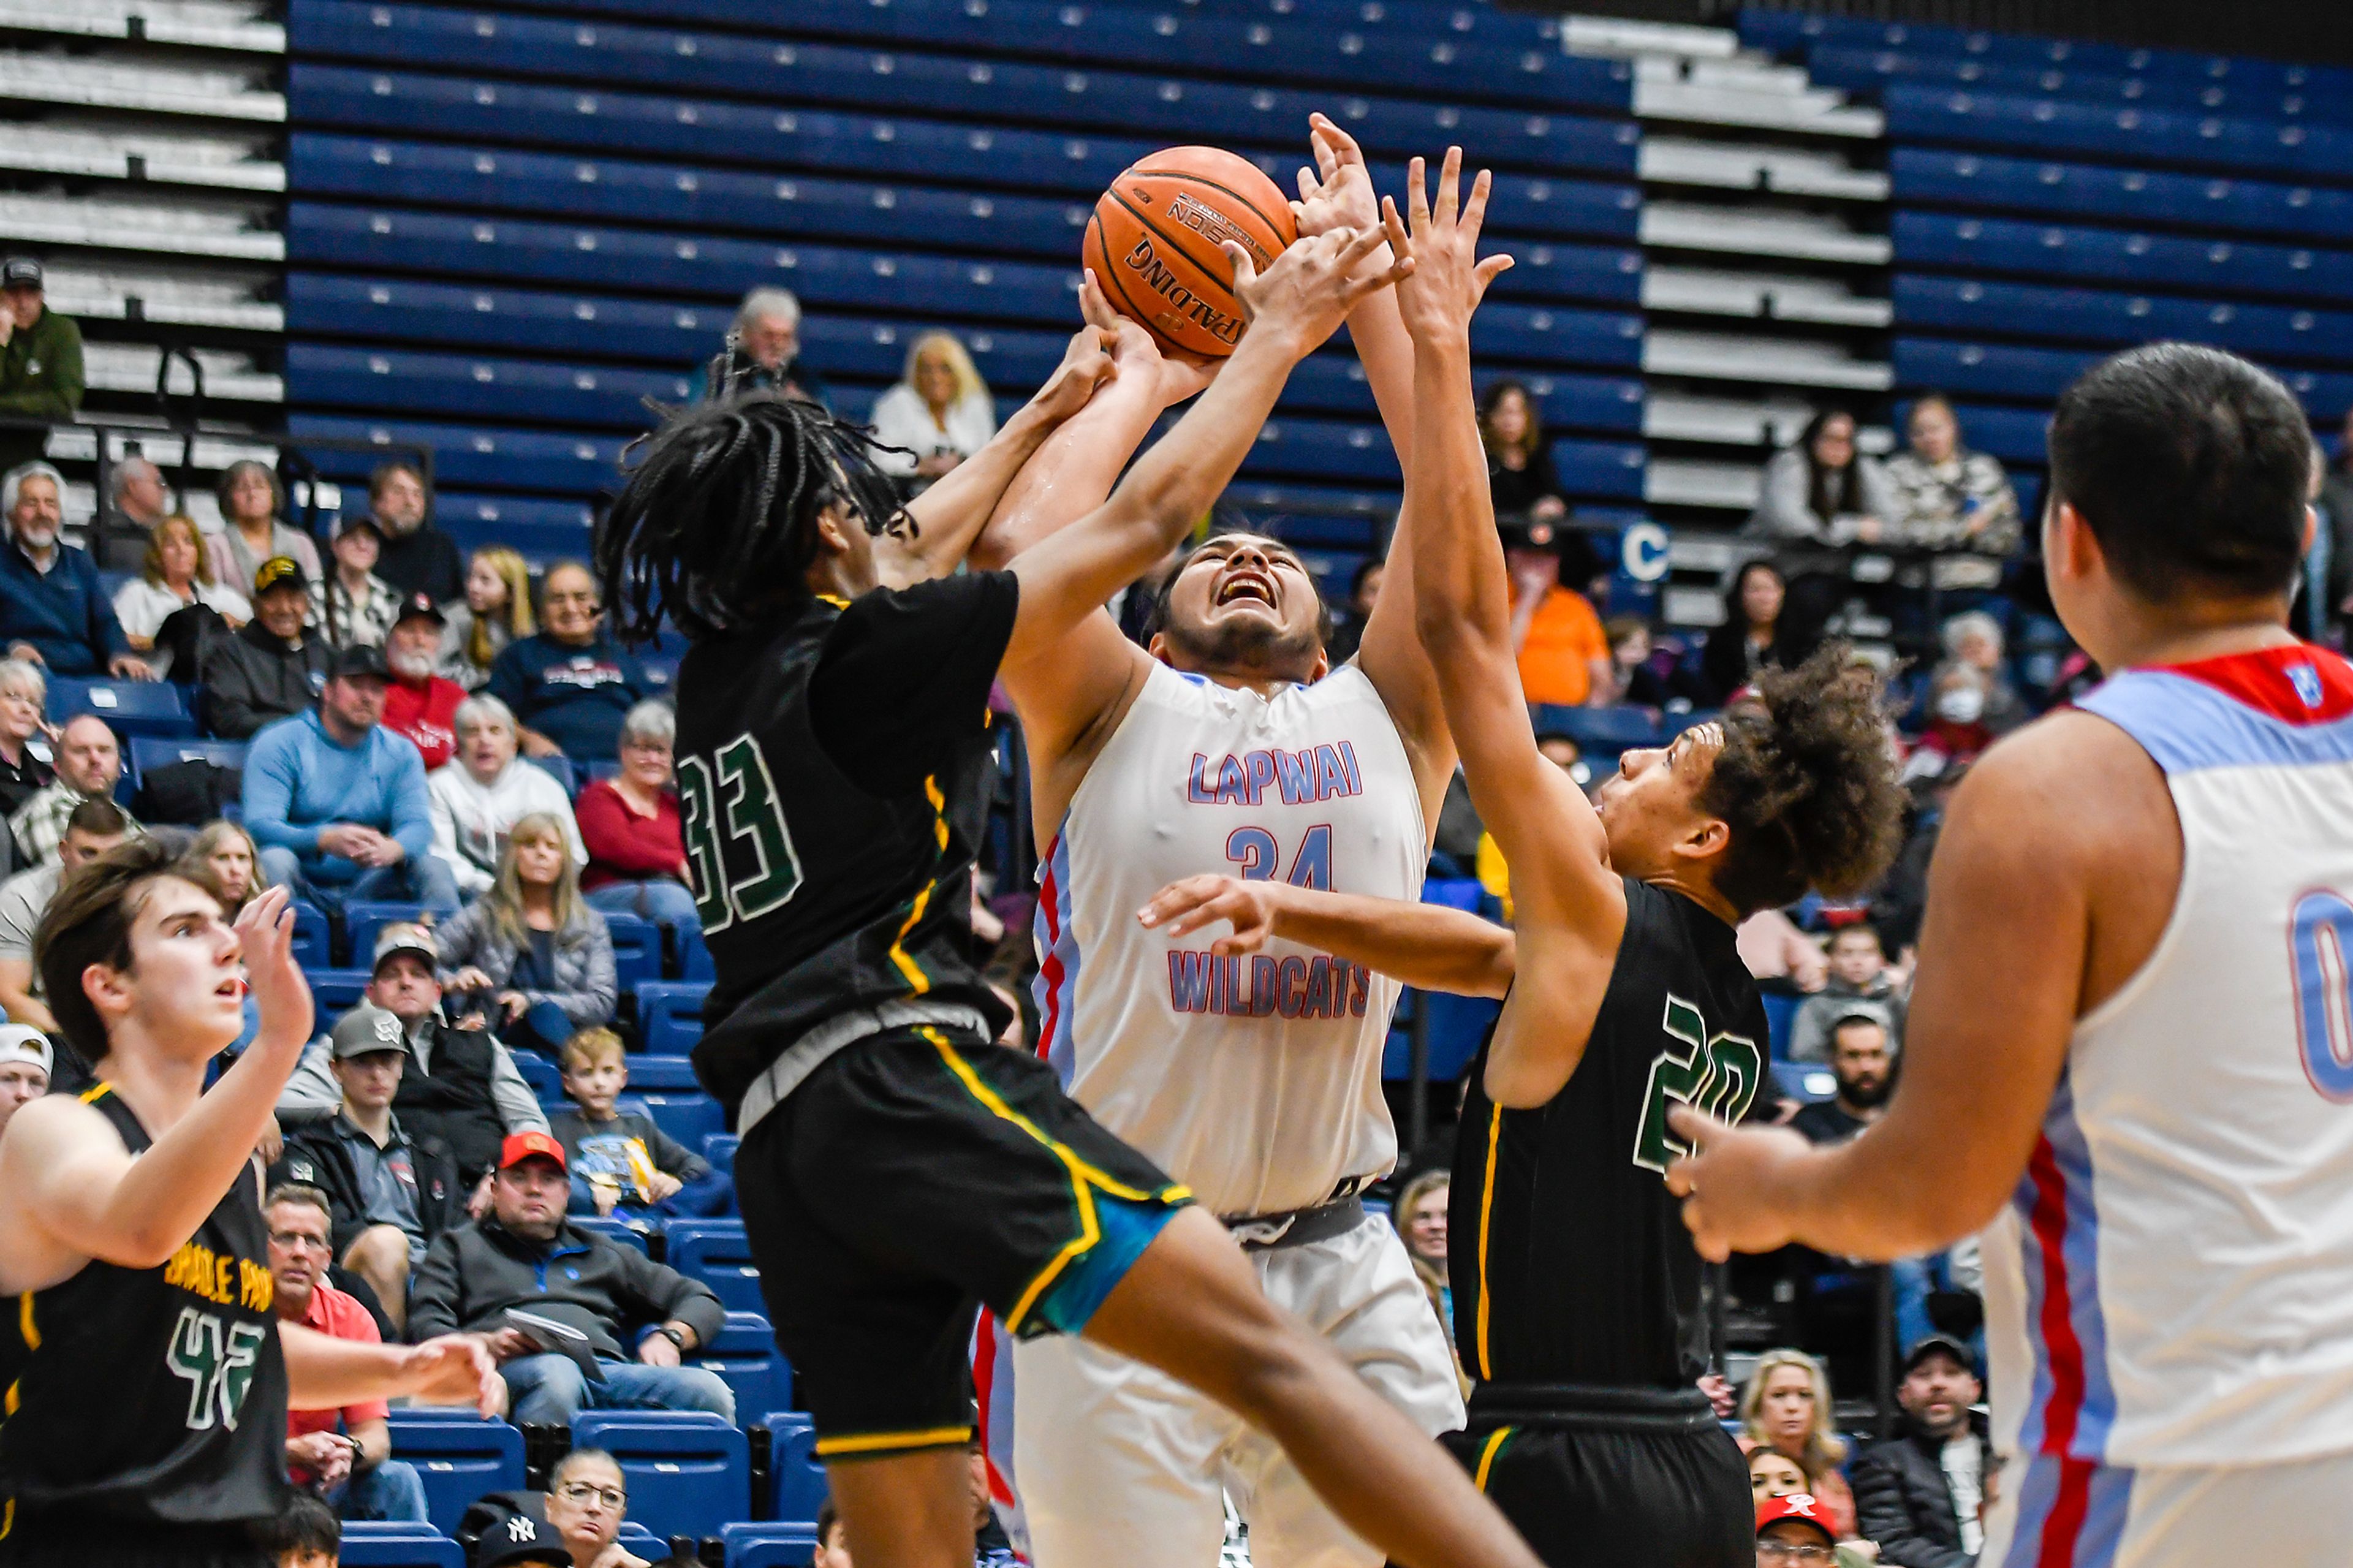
(307, 1535)
(621, 1163)
(832, 1540)
(1859, 972)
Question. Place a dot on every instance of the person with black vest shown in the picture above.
(458, 1084)
(1920, 1495)
(271, 668)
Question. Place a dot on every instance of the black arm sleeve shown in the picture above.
(905, 674)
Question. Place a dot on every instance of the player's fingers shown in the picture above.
(1245, 271)
(1486, 273)
(1416, 196)
(1682, 1179)
(1359, 249)
(1319, 141)
(1705, 1240)
(1694, 1128)
(1449, 187)
(1094, 306)
(1474, 208)
(1307, 188)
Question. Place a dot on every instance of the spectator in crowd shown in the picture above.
(1974, 639)
(1564, 654)
(89, 766)
(1632, 677)
(137, 499)
(92, 827)
(765, 348)
(990, 1546)
(1752, 635)
(622, 1163)
(588, 1503)
(25, 1058)
(1349, 623)
(509, 1530)
(251, 533)
(1922, 1495)
(52, 610)
(495, 612)
(338, 802)
(1902, 899)
(484, 792)
(1794, 1531)
(1820, 499)
(228, 850)
(833, 1539)
(1773, 948)
(1859, 972)
(413, 555)
(352, 1469)
(1787, 1408)
(389, 1194)
(938, 414)
(1520, 477)
(173, 574)
(1957, 732)
(629, 826)
(570, 686)
(274, 668)
(2327, 600)
(522, 1255)
(41, 361)
(532, 944)
(354, 606)
(417, 704)
(23, 771)
(459, 1085)
(1422, 1216)
(1946, 496)
(305, 1533)
(1772, 1474)
(1862, 1060)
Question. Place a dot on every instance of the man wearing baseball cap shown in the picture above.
(418, 703)
(1921, 1494)
(40, 361)
(337, 802)
(274, 668)
(553, 1301)
(25, 1060)
(1791, 1533)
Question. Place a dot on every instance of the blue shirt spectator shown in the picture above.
(338, 803)
(51, 607)
(571, 686)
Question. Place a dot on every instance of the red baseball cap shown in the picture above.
(521, 1146)
(1799, 1505)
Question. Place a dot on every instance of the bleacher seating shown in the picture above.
(458, 1458)
(363, 1548)
(716, 1252)
(669, 1014)
(334, 992)
(745, 1355)
(154, 708)
(770, 1544)
(797, 1476)
(365, 919)
(685, 1470)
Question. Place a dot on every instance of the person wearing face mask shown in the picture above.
(52, 610)
(1947, 498)
(1975, 638)
(1957, 732)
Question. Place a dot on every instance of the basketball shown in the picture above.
(1153, 243)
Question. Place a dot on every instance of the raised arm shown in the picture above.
(1426, 945)
(324, 1372)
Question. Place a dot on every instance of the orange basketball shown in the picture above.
(1153, 243)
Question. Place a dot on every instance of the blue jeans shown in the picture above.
(422, 879)
(551, 1388)
(656, 899)
(390, 1491)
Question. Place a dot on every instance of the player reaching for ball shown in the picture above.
(897, 1165)
(2130, 1046)
(148, 1379)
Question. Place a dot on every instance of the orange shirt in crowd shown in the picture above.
(1564, 639)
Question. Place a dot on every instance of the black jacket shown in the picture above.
(425, 562)
(608, 1291)
(1903, 1501)
(316, 1156)
(253, 678)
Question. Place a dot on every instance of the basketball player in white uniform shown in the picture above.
(1255, 1082)
(2130, 1046)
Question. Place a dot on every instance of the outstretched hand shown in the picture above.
(1442, 241)
(1310, 288)
(1739, 1186)
(265, 935)
(455, 1369)
(1338, 192)
(1137, 357)
(1185, 906)
(1087, 362)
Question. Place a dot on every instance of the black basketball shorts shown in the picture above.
(914, 1176)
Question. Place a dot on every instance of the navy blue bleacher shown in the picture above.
(798, 1477)
(669, 1014)
(458, 1459)
(745, 1355)
(685, 1471)
(334, 992)
(769, 1543)
(716, 1252)
(362, 1549)
(156, 709)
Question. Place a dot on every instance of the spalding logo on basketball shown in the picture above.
(1154, 243)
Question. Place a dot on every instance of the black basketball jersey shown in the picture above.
(836, 879)
(147, 1398)
(1571, 1262)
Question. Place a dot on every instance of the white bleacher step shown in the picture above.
(166, 160)
(1672, 415)
(1685, 481)
(1693, 103)
(172, 302)
(152, 89)
(1739, 166)
(1622, 38)
(1779, 297)
(1719, 552)
(1774, 362)
(198, 24)
(1760, 231)
(130, 367)
(124, 226)
(78, 444)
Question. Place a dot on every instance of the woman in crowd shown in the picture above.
(1957, 732)
(1348, 625)
(1974, 639)
(226, 849)
(1772, 1473)
(1820, 499)
(1421, 1219)
(1946, 496)
(1520, 475)
(483, 790)
(1630, 660)
(587, 1502)
(354, 605)
(175, 575)
(571, 685)
(495, 611)
(1787, 1408)
(250, 504)
(637, 858)
(22, 771)
(1753, 636)
(939, 414)
(532, 944)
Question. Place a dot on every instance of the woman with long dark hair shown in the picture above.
(1752, 635)
(1821, 499)
(1521, 480)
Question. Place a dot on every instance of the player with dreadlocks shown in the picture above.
(897, 1167)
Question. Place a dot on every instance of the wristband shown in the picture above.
(674, 1336)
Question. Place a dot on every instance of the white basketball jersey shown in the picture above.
(1255, 1080)
(2172, 1284)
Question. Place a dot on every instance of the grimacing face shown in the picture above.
(1244, 603)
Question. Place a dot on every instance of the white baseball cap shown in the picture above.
(23, 1043)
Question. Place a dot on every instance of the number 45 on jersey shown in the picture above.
(1717, 1073)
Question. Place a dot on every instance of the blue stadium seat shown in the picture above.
(478, 384)
(151, 708)
(336, 992)
(546, 1078)
(1870, 71)
(719, 1148)
(1940, 241)
(800, 1486)
(2128, 134)
(636, 948)
(1780, 1016)
(684, 1475)
(144, 752)
(364, 918)
(689, 1116)
(558, 768)
(1610, 729)
(1806, 1082)
(746, 1356)
(362, 1549)
(673, 1075)
(716, 1252)
(769, 1544)
(2081, 315)
(458, 1460)
(611, 1230)
(469, 454)
(669, 1014)
(1934, 176)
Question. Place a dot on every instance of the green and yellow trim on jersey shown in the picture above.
(874, 1443)
(1487, 1452)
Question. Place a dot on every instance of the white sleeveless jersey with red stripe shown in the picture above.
(2172, 1284)
(1255, 1080)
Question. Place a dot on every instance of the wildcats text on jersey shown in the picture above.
(1292, 987)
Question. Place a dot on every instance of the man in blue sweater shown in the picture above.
(52, 610)
(337, 802)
